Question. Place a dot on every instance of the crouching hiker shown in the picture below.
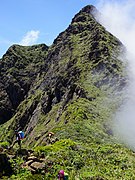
(19, 136)
(62, 175)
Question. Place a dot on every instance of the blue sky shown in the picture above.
(29, 22)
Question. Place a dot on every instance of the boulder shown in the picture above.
(34, 164)
(28, 163)
(37, 165)
(33, 158)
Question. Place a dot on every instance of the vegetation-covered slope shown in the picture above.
(74, 87)
(18, 69)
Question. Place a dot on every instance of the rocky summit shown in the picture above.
(63, 98)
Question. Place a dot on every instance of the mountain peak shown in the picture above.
(85, 11)
(88, 9)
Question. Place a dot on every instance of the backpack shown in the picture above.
(65, 176)
(21, 134)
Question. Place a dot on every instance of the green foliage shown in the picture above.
(107, 161)
(4, 144)
(16, 163)
(22, 175)
(57, 146)
(19, 172)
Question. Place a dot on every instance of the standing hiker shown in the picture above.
(19, 136)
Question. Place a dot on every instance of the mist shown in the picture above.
(118, 17)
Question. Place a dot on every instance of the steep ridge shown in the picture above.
(83, 60)
(73, 93)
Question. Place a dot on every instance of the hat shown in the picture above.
(61, 172)
(50, 133)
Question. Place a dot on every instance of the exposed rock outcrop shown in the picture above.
(34, 164)
(18, 69)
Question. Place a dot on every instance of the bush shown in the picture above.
(4, 144)
(57, 146)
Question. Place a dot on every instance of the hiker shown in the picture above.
(49, 137)
(62, 175)
(50, 134)
(19, 137)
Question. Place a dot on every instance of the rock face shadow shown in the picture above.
(5, 166)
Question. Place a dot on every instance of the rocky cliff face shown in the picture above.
(18, 69)
(39, 84)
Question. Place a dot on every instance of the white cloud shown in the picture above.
(119, 19)
(30, 38)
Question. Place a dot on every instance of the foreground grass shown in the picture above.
(94, 161)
